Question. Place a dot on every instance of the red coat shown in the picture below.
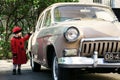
(18, 50)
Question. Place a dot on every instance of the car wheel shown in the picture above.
(55, 68)
(35, 66)
(59, 73)
(119, 71)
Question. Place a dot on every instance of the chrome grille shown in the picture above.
(101, 46)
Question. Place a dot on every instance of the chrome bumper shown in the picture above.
(84, 62)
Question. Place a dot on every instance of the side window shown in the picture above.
(39, 23)
(47, 20)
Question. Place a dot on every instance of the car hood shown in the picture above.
(95, 28)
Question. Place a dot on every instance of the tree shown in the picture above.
(23, 13)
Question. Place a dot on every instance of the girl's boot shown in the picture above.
(19, 71)
(14, 71)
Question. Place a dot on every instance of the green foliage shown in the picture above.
(4, 49)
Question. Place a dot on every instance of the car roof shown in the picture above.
(78, 3)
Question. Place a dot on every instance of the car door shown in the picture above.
(43, 37)
(34, 41)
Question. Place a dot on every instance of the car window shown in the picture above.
(79, 12)
(47, 21)
(39, 23)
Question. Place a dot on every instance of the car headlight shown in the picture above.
(71, 34)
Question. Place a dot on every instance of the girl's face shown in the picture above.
(19, 34)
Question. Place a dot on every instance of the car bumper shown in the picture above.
(84, 62)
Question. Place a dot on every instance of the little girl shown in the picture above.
(18, 50)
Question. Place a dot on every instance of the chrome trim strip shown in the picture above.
(101, 39)
(87, 66)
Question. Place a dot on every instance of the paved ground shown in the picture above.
(27, 74)
(6, 65)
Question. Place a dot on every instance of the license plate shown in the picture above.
(112, 57)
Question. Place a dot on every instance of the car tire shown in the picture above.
(59, 73)
(35, 66)
(118, 70)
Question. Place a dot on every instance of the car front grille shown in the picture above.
(88, 46)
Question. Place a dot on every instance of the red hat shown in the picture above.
(16, 29)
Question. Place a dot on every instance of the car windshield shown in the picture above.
(79, 12)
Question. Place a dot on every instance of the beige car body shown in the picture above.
(96, 37)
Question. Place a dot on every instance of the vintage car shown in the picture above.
(76, 36)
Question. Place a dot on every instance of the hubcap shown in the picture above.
(55, 69)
